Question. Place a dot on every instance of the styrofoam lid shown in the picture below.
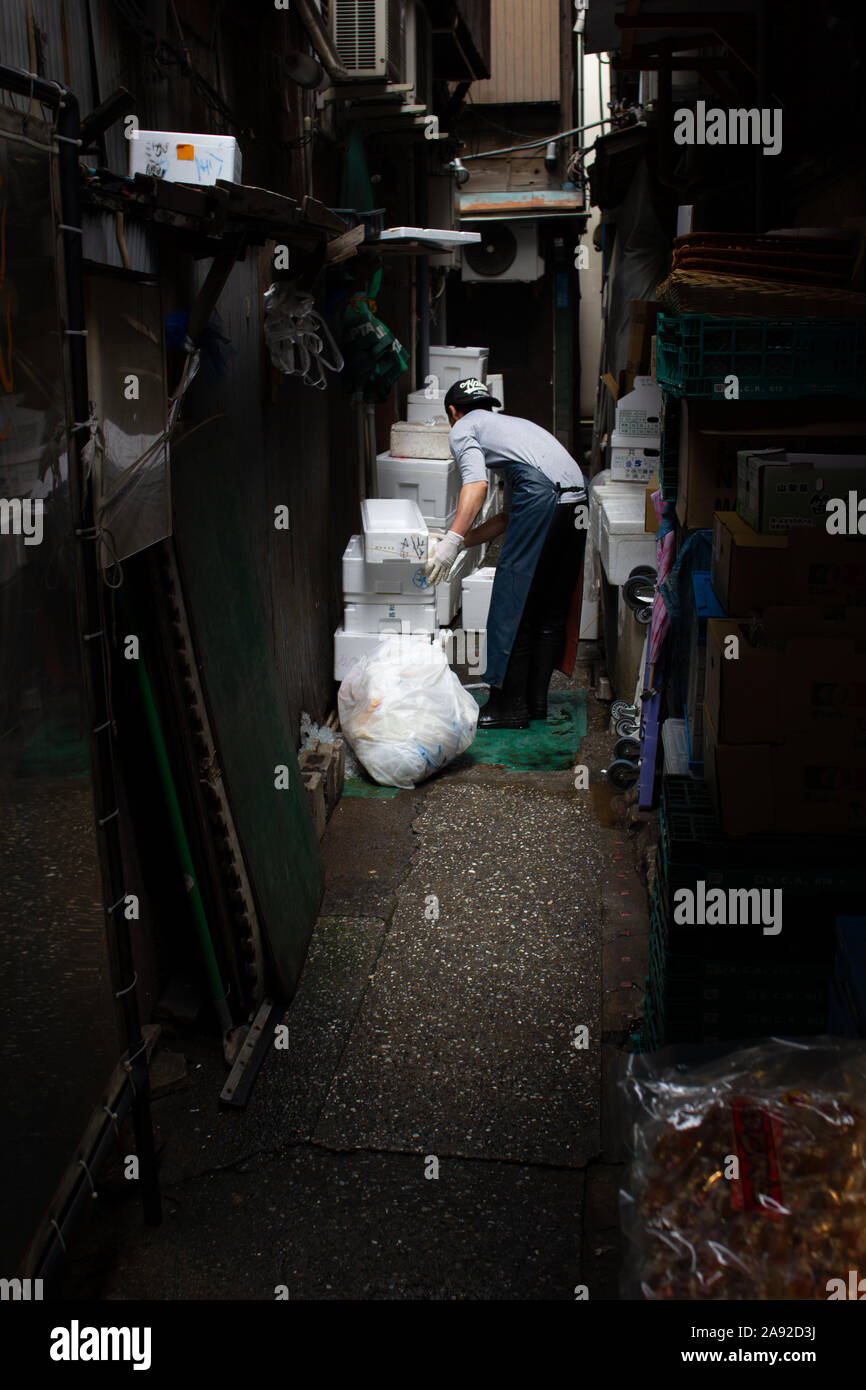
(623, 513)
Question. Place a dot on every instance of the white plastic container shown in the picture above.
(477, 591)
(496, 387)
(433, 485)
(623, 542)
(603, 486)
(450, 364)
(349, 647)
(385, 616)
(179, 157)
(402, 578)
(411, 440)
(394, 529)
(633, 459)
(421, 409)
(638, 413)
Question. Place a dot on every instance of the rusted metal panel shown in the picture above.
(559, 203)
(524, 53)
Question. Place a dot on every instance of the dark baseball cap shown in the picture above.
(470, 394)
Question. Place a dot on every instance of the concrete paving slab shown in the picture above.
(366, 849)
(357, 1226)
(465, 1042)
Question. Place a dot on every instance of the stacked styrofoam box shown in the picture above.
(385, 590)
(623, 542)
(452, 364)
(496, 387)
(424, 409)
(449, 593)
(634, 442)
(179, 157)
(477, 591)
(432, 484)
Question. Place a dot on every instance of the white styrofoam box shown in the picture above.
(638, 412)
(403, 577)
(450, 364)
(623, 542)
(385, 616)
(182, 158)
(433, 485)
(349, 647)
(394, 529)
(496, 387)
(597, 490)
(449, 592)
(590, 606)
(477, 590)
(411, 440)
(633, 459)
(420, 408)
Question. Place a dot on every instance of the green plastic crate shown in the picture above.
(772, 359)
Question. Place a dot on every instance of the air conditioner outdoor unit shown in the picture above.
(370, 37)
(508, 251)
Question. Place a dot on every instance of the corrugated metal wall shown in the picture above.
(524, 53)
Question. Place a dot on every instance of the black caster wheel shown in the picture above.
(619, 708)
(628, 748)
(627, 728)
(622, 774)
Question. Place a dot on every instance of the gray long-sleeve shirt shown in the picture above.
(484, 439)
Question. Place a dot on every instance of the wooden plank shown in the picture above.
(321, 216)
(342, 247)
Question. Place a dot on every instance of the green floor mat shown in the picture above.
(546, 745)
(365, 786)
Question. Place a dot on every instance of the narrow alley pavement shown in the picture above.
(436, 1030)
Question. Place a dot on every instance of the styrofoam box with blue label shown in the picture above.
(179, 157)
(433, 485)
(394, 578)
(394, 529)
(633, 460)
(349, 647)
(638, 412)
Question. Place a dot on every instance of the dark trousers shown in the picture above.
(557, 572)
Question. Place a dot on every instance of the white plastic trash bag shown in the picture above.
(405, 713)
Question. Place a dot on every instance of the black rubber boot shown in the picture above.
(545, 654)
(507, 708)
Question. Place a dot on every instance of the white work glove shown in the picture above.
(439, 564)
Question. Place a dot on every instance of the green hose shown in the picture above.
(217, 989)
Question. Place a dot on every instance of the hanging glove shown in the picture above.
(439, 563)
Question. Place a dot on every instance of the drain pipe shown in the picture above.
(321, 41)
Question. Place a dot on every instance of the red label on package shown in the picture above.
(757, 1144)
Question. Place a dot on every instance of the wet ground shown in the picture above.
(435, 1128)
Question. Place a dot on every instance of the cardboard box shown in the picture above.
(651, 521)
(641, 327)
(778, 490)
(751, 572)
(803, 787)
(713, 432)
(802, 676)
